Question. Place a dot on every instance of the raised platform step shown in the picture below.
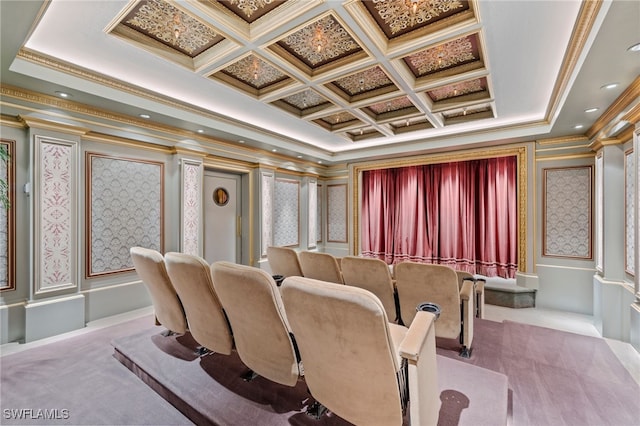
(509, 295)
(209, 390)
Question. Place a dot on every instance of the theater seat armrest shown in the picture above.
(480, 286)
(411, 346)
(467, 290)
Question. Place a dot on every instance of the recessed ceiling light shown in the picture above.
(634, 48)
(240, 141)
(578, 126)
(145, 116)
(274, 150)
(591, 109)
(610, 86)
(319, 161)
(63, 94)
(299, 156)
(200, 131)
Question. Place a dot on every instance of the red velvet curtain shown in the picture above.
(460, 214)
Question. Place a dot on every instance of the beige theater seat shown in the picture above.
(284, 261)
(321, 266)
(191, 277)
(478, 286)
(258, 321)
(373, 275)
(151, 269)
(352, 354)
(420, 282)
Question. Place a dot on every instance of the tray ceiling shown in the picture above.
(330, 80)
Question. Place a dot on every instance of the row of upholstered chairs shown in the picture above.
(336, 338)
(459, 295)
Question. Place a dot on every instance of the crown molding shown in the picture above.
(623, 101)
(581, 31)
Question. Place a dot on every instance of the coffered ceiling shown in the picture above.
(429, 71)
(323, 79)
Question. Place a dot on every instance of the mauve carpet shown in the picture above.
(555, 378)
(210, 390)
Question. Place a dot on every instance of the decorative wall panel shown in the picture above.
(125, 209)
(266, 185)
(629, 211)
(313, 213)
(636, 142)
(567, 212)
(286, 213)
(191, 207)
(599, 212)
(337, 213)
(55, 205)
(7, 220)
(319, 216)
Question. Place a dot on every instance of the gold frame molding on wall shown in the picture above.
(545, 252)
(89, 156)
(519, 151)
(627, 268)
(9, 145)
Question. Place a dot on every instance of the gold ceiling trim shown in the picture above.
(57, 126)
(581, 31)
(562, 140)
(60, 66)
(625, 99)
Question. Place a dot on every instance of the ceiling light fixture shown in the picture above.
(578, 126)
(413, 5)
(63, 94)
(256, 69)
(634, 48)
(609, 86)
(591, 109)
(145, 116)
(319, 41)
(200, 131)
(178, 27)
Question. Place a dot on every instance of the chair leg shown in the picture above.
(202, 351)
(465, 352)
(316, 410)
(249, 376)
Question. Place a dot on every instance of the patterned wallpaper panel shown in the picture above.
(629, 205)
(313, 212)
(191, 207)
(56, 214)
(319, 215)
(267, 211)
(567, 212)
(125, 210)
(337, 213)
(286, 213)
(7, 231)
